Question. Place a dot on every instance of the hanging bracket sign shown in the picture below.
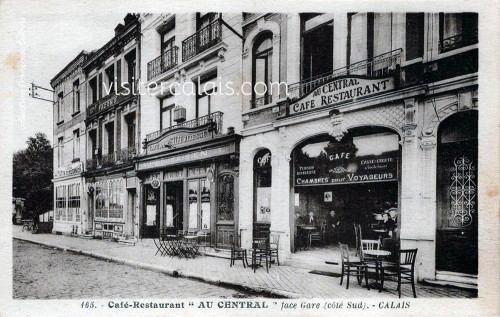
(342, 90)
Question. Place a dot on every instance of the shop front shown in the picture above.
(189, 182)
(343, 182)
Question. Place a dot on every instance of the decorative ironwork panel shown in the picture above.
(463, 192)
(457, 41)
(225, 197)
(202, 40)
(163, 63)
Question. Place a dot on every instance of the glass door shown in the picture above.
(199, 204)
(173, 211)
(151, 213)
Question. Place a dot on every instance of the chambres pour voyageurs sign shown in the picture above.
(342, 90)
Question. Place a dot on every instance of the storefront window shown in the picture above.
(109, 201)
(193, 204)
(205, 204)
(263, 173)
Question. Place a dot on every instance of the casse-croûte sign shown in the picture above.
(178, 138)
(341, 90)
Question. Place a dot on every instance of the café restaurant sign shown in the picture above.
(342, 90)
(178, 138)
(72, 169)
(339, 164)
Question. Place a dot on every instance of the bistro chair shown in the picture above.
(317, 235)
(368, 245)
(403, 268)
(260, 247)
(205, 236)
(274, 246)
(359, 268)
(237, 253)
(157, 241)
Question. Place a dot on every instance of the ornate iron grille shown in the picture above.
(262, 101)
(463, 191)
(202, 40)
(163, 63)
(225, 197)
(457, 41)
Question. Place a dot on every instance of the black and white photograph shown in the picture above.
(200, 160)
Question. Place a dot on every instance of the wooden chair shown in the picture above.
(403, 268)
(360, 269)
(260, 248)
(237, 253)
(274, 245)
(317, 235)
(368, 245)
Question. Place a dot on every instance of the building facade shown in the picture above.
(188, 168)
(255, 124)
(112, 133)
(69, 147)
(380, 114)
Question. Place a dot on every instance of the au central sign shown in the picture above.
(341, 90)
(178, 138)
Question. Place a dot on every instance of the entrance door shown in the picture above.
(174, 206)
(151, 212)
(457, 227)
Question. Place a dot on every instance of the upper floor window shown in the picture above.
(60, 106)
(167, 105)
(60, 152)
(131, 64)
(414, 35)
(457, 30)
(130, 121)
(109, 80)
(204, 94)
(317, 44)
(93, 93)
(205, 18)
(262, 69)
(76, 144)
(76, 96)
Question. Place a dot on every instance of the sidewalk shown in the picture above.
(283, 281)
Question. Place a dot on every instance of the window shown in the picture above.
(110, 134)
(76, 145)
(204, 96)
(204, 19)
(262, 186)
(317, 44)
(60, 105)
(414, 35)
(167, 41)
(73, 213)
(166, 108)
(262, 70)
(109, 84)
(60, 148)
(130, 60)
(93, 143)
(457, 30)
(76, 96)
(199, 204)
(93, 90)
(61, 203)
(109, 200)
(130, 120)
(115, 199)
(225, 197)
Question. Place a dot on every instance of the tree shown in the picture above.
(32, 175)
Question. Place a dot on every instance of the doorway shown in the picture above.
(151, 216)
(457, 218)
(174, 206)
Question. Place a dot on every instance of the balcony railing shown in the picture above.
(202, 40)
(215, 117)
(381, 65)
(163, 63)
(260, 102)
(123, 156)
(457, 41)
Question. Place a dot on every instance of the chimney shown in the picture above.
(119, 28)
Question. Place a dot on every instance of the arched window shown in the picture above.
(262, 192)
(262, 70)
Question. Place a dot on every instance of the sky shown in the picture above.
(51, 41)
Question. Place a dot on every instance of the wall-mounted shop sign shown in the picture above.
(188, 157)
(73, 169)
(341, 90)
(354, 160)
(178, 138)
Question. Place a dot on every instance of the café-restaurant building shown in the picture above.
(377, 122)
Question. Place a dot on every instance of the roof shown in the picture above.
(70, 67)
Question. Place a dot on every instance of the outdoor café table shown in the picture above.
(378, 255)
(380, 233)
(306, 230)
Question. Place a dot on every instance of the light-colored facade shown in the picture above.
(432, 59)
(69, 147)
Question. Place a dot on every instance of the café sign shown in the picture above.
(73, 169)
(342, 90)
(178, 138)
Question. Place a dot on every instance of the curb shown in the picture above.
(175, 273)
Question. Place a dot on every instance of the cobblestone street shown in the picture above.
(45, 273)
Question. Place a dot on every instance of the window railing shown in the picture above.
(260, 102)
(381, 65)
(202, 40)
(110, 100)
(163, 63)
(117, 157)
(458, 41)
(215, 118)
